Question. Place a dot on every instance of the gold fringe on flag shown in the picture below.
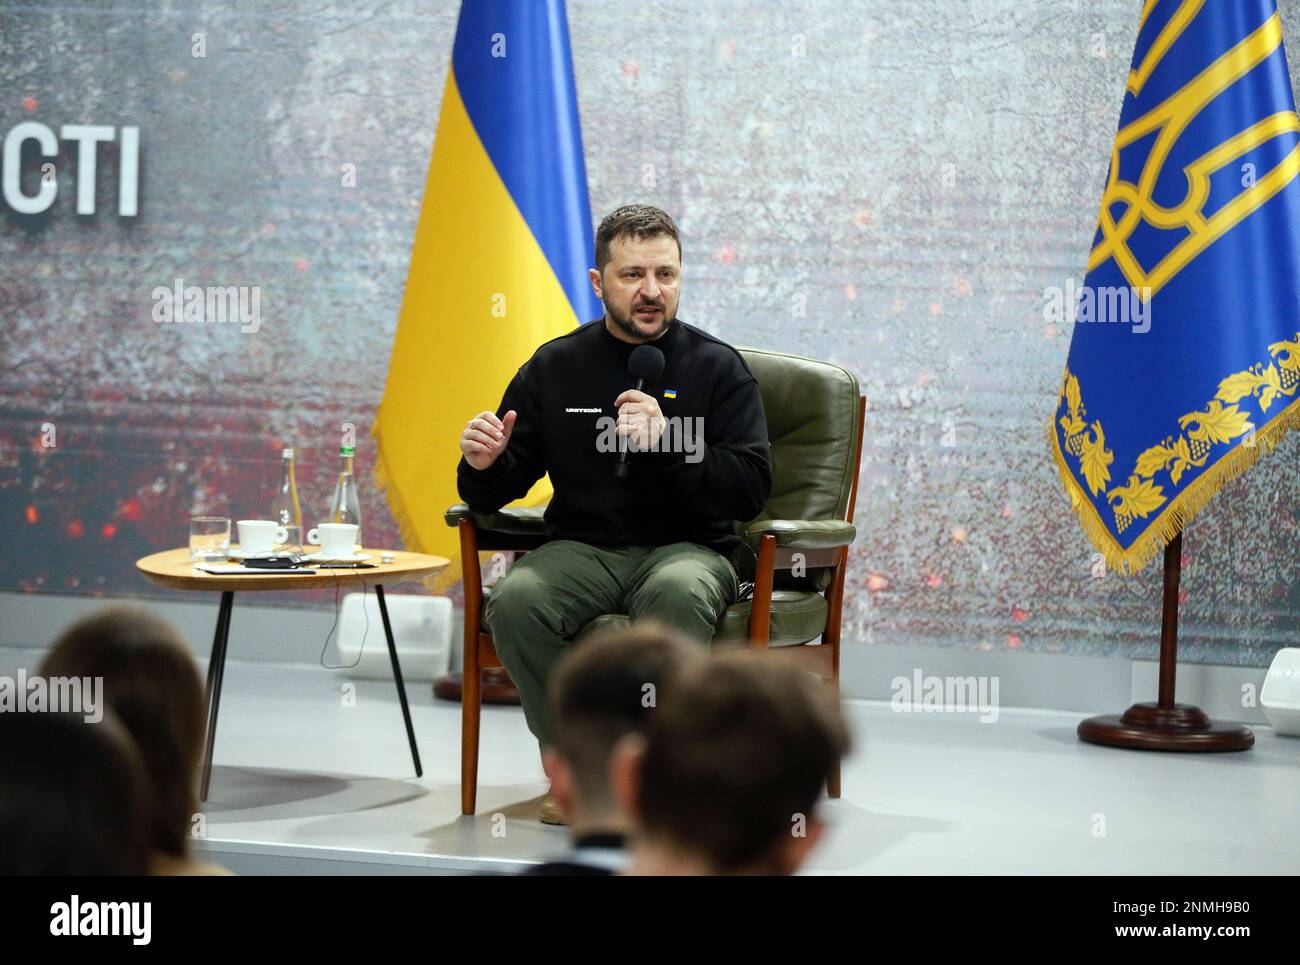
(1182, 508)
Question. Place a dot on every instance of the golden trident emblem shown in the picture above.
(1171, 118)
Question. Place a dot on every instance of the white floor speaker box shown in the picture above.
(1280, 695)
(422, 628)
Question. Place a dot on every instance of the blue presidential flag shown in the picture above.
(1184, 362)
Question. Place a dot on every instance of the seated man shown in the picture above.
(727, 777)
(659, 542)
(605, 689)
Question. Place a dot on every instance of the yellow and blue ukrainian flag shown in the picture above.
(500, 259)
(1185, 362)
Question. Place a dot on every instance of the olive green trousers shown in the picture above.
(552, 592)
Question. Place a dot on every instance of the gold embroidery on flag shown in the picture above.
(1221, 421)
(1087, 444)
(1169, 120)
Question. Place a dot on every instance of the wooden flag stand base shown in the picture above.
(1165, 725)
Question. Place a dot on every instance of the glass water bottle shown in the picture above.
(288, 511)
(346, 505)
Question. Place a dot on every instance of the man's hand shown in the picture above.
(485, 437)
(640, 418)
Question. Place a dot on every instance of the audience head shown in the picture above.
(606, 688)
(152, 684)
(727, 777)
(73, 797)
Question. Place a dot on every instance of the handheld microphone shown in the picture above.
(645, 363)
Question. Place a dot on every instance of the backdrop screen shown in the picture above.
(889, 186)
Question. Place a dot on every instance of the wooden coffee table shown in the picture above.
(174, 570)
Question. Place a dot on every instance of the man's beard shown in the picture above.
(625, 323)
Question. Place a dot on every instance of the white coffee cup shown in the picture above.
(260, 536)
(336, 540)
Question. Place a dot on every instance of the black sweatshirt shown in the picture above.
(568, 387)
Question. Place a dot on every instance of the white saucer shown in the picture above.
(319, 557)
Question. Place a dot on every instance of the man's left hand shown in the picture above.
(640, 418)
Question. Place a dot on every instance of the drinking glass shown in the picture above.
(209, 539)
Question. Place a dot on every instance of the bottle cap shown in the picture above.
(347, 451)
(288, 453)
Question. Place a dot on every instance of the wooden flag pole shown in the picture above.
(1166, 725)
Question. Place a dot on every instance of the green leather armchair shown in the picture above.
(815, 418)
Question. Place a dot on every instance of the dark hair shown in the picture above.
(637, 221)
(151, 682)
(607, 687)
(741, 748)
(73, 797)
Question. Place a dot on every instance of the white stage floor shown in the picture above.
(305, 784)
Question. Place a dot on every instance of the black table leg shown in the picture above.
(216, 664)
(397, 677)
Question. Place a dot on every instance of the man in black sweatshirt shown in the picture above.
(660, 542)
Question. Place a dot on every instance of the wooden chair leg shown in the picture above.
(833, 779)
(831, 638)
(760, 611)
(470, 715)
(471, 695)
